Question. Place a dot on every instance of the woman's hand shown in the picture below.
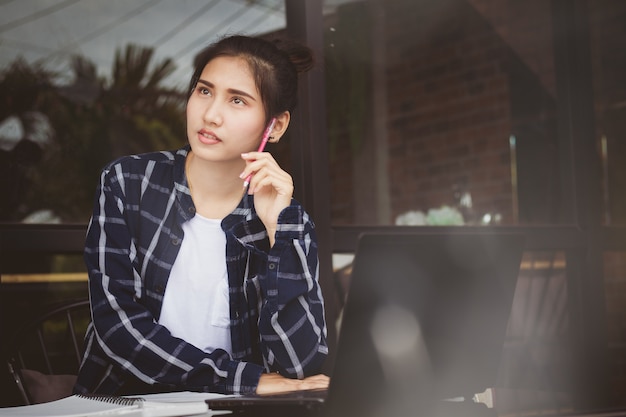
(276, 383)
(271, 185)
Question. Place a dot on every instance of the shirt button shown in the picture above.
(176, 241)
(192, 209)
(159, 289)
(272, 266)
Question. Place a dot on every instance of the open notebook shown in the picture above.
(153, 405)
(422, 330)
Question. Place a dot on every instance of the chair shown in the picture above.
(45, 354)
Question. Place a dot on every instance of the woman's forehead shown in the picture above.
(229, 72)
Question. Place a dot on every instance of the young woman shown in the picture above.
(197, 280)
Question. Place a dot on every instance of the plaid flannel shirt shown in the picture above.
(276, 307)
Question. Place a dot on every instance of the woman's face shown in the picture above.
(225, 114)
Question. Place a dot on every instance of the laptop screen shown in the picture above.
(425, 319)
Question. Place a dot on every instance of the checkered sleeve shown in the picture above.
(291, 321)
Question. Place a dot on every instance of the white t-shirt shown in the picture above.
(196, 301)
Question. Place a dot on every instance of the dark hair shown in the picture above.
(275, 65)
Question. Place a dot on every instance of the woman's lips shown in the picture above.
(208, 138)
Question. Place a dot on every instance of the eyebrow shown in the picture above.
(229, 90)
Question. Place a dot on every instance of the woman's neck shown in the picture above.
(216, 188)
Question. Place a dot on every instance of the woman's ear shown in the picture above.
(282, 122)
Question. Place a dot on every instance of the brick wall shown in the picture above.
(457, 81)
(449, 116)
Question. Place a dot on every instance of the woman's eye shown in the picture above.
(238, 100)
(204, 91)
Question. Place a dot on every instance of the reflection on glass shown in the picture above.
(614, 265)
(615, 288)
(436, 104)
(83, 82)
(609, 90)
(32, 269)
(537, 365)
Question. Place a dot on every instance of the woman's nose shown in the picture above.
(213, 113)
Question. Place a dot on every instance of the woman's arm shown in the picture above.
(291, 321)
(275, 383)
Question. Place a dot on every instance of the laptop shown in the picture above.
(422, 330)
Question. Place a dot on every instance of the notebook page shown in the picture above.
(70, 407)
(76, 406)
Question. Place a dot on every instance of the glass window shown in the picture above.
(607, 36)
(615, 293)
(446, 112)
(537, 364)
(82, 83)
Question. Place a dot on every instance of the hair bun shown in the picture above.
(301, 56)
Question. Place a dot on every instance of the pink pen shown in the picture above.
(266, 136)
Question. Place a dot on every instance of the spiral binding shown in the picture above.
(113, 400)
